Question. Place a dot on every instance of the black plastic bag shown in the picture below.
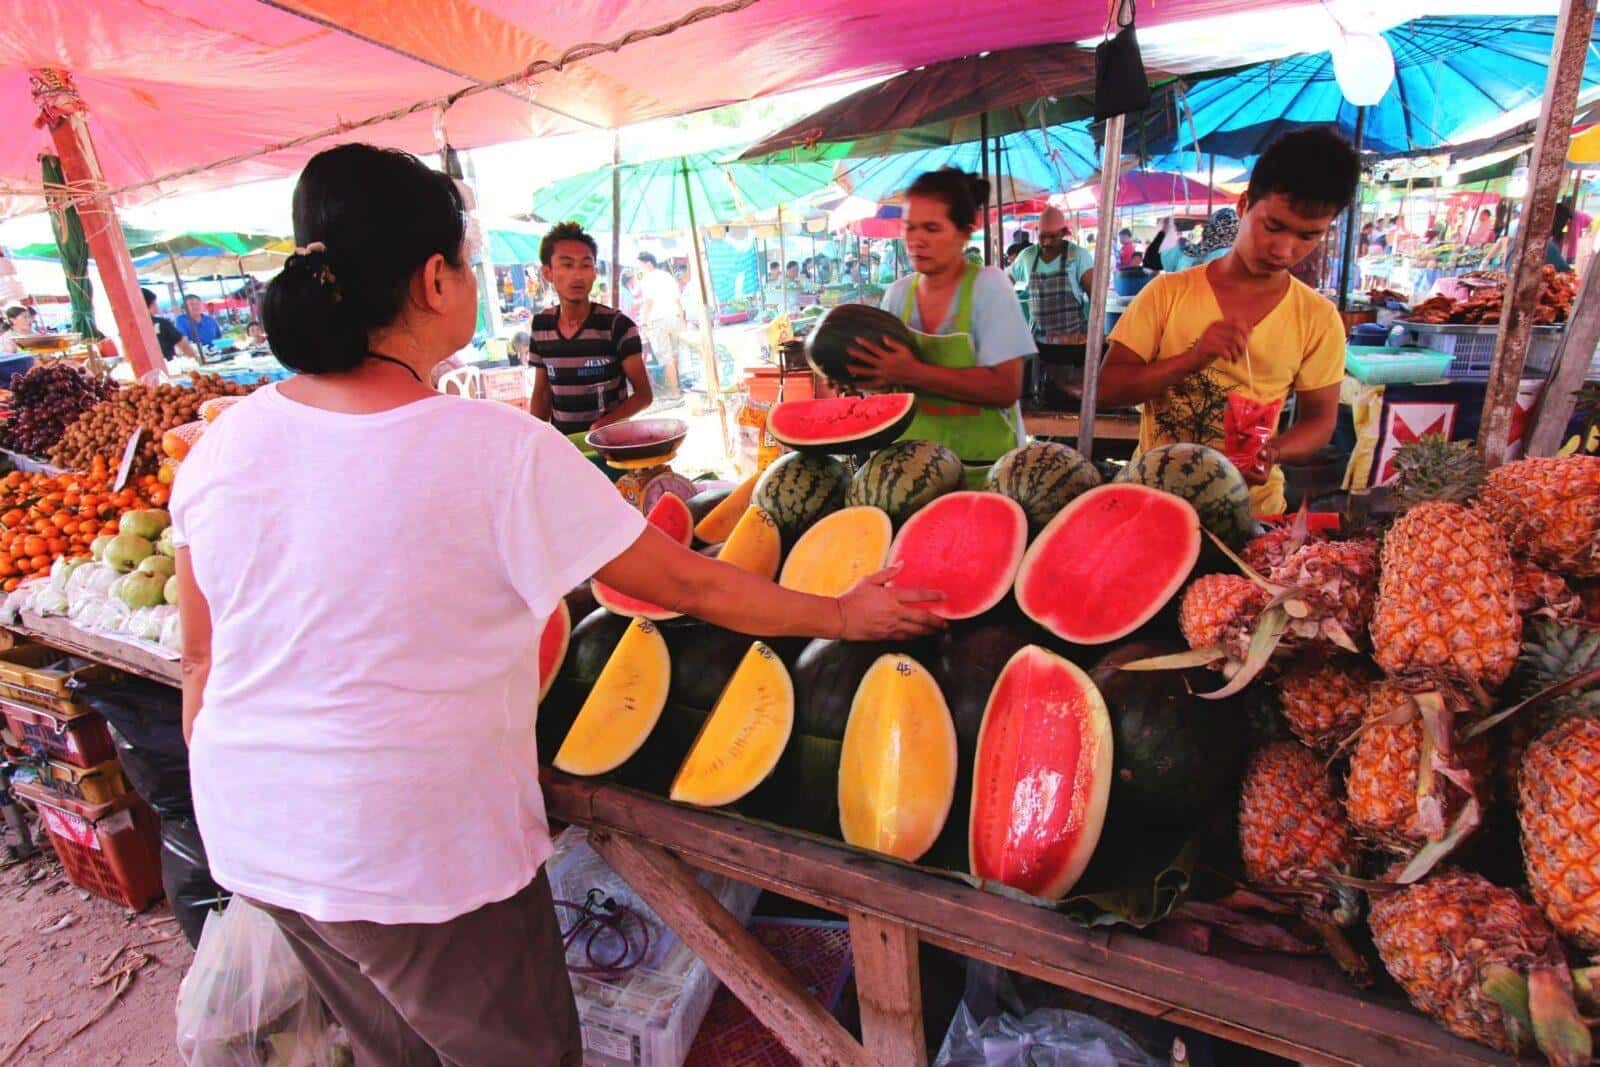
(147, 727)
(1120, 85)
(186, 876)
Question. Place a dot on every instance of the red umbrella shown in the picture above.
(1142, 187)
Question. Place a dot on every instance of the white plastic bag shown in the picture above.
(246, 1001)
(172, 632)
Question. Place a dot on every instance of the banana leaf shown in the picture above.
(74, 250)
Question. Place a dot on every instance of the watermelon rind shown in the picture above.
(842, 424)
(950, 552)
(798, 489)
(1045, 599)
(553, 642)
(1204, 477)
(672, 516)
(902, 478)
(828, 344)
(1089, 792)
(1042, 476)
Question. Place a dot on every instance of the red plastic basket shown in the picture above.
(81, 740)
(111, 850)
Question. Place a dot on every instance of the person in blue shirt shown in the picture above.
(1216, 238)
(197, 327)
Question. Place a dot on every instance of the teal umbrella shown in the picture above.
(178, 242)
(73, 248)
(655, 196)
(509, 246)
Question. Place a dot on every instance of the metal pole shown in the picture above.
(783, 270)
(708, 346)
(1110, 175)
(1000, 204)
(1352, 220)
(1211, 182)
(616, 218)
(983, 166)
(176, 277)
(1573, 28)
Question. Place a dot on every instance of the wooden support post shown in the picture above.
(1560, 396)
(708, 312)
(64, 113)
(889, 988)
(1110, 175)
(762, 984)
(1565, 76)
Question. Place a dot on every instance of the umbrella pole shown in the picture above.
(616, 218)
(708, 345)
(983, 166)
(1523, 273)
(1211, 181)
(1000, 205)
(176, 277)
(1110, 175)
(783, 272)
(1352, 220)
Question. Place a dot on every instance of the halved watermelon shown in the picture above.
(1041, 777)
(965, 544)
(553, 646)
(842, 424)
(672, 516)
(1108, 562)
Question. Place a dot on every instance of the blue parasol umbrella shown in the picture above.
(1034, 163)
(1452, 74)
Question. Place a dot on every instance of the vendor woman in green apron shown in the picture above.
(972, 338)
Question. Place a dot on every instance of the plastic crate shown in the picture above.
(111, 850)
(100, 784)
(649, 1016)
(80, 739)
(41, 677)
(1471, 348)
(1390, 366)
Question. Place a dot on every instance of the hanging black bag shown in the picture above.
(1120, 86)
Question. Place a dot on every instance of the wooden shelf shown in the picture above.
(1065, 424)
(59, 633)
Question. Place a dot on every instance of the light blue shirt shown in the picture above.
(1174, 258)
(1075, 259)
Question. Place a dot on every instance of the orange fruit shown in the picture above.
(13, 517)
(33, 546)
(42, 563)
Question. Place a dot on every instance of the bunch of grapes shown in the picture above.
(45, 401)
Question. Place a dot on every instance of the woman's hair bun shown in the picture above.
(963, 194)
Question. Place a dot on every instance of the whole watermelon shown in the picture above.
(1043, 477)
(828, 346)
(798, 489)
(905, 477)
(1205, 478)
(1177, 758)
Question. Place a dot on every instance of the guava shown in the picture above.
(164, 544)
(147, 524)
(158, 564)
(141, 590)
(98, 548)
(170, 592)
(127, 551)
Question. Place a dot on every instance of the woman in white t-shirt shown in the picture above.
(361, 596)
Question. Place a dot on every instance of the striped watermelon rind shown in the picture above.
(905, 477)
(1044, 477)
(1206, 479)
(798, 489)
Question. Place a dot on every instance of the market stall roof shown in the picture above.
(1452, 74)
(1141, 188)
(189, 83)
(1033, 163)
(156, 243)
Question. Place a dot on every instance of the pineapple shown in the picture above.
(1549, 511)
(1218, 610)
(1292, 831)
(1537, 591)
(1339, 580)
(1384, 795)
(1445, 615)
(1436, 469)
(1553, 652)
(1449, 939)
(1560, 816)
(1325, 700)
(1267, 553)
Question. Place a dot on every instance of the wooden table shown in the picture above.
(1107, 427)
(1275, 1003)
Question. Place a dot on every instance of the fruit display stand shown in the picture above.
(1294, 1007)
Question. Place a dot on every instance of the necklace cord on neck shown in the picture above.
(408, 368)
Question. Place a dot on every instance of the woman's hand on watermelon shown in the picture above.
(874, 610)
(882, 365)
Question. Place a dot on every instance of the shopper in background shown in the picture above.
(1554, 252)
(1483, 232)
(19, 322)
(1216, 238)
(521, 346)
(1127, 254)
(661, 317)
(318, 696)
(197, 324)
(167, 336)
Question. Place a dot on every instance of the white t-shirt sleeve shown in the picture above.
(562, 521)
(894, 300)
(1000, 333)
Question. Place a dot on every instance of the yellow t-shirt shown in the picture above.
(1299, 345)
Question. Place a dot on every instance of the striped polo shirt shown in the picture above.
(584, 370)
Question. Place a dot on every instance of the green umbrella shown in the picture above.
(179, 242)
(74, 252)
(655, 195)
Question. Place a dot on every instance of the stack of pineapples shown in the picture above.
(1394, 666)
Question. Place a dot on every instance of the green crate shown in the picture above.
(1395, 366)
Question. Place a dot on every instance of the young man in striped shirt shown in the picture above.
(589, 363)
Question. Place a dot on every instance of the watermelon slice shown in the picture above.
(671, 516)
(553, 646)
(1041, 776)
(843, 423)
(967, 545)
(1108, 562)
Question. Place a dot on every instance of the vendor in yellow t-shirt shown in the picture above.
(1212, 352)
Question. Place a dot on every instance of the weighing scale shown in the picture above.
(643, 450)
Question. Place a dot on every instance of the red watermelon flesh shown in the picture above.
(553, 646)
(1108, 562)
(842, 423)
(672, 516)
(1041, 776)
(965, 544)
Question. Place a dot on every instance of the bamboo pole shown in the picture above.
(783, 272)
(1110, 175)
(708, 345)
(616, 218)
(1571, 48)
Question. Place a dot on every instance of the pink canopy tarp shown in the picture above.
(180, 83)
(1139, 188)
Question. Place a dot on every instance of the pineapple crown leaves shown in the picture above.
(1434, 468)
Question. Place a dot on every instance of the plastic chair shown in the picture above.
(463, 381)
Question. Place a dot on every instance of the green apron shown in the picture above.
(979, 435)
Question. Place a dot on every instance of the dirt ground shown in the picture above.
(102, 979)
